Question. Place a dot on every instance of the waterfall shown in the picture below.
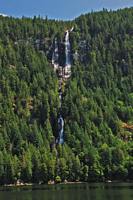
(64, 72)
(67, 68)
(60, 118)
(67, 49)
(61, 130)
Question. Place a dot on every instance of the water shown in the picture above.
(55, 62)
(65, 74)
(61, 129)
(67, 49)
(98, 191)
(67, 67)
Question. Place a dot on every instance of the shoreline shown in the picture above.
(64, 183)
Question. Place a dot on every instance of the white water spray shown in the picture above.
(67, 68)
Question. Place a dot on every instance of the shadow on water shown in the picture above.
(95, 191)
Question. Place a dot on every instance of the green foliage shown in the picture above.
(97, 102)
(57, 179)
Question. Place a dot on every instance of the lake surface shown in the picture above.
(84, 191)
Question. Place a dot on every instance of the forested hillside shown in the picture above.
(97, 99)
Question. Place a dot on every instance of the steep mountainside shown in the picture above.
(97, 99)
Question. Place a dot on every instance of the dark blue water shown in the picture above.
(98, 191)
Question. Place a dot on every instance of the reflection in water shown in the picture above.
(121, 191)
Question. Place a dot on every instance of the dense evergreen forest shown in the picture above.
(97, 100)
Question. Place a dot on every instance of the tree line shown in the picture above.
(97, 100)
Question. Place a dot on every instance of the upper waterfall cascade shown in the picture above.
(67, 49)
(67, 68)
